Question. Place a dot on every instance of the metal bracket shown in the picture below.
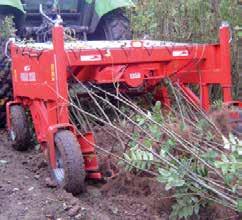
(55, 22)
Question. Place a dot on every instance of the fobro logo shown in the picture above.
(26, 68)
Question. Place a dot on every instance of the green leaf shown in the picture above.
(210, 155)
(228, 179)
(133, 155)
(151, 157)
(186, 212)
(155, 131)
(196, 209)
(126, 157)
(224, 158)
(141, 121)
(139, 155)
(232, 139)
(148, 143)
(145, 156)
(157, 107)
(239, 205)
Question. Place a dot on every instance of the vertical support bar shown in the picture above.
(225, 37)
(205, 97)
(60, 74)
(227, 93)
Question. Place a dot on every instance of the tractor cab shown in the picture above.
(92, 20)
(51, 5)
(70, 11)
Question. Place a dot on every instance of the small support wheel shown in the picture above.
(19, 130)
(69, 172)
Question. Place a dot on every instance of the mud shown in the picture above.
(24, 193)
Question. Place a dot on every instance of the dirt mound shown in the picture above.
(145, 189)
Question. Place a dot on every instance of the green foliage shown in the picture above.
(188, 204)
(7, 28)
(185, 20)
(231, 165)
(171, 178)
(138, 158)
(218, 104)
(210, 156)
(240, 205)
(167, 147)
(184, 208)
(175, 174)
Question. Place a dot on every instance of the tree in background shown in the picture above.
(183, 20)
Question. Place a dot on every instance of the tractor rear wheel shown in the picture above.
(69, 172)
(19, 130)
(5, 88)
(5, 75)
(113, 26)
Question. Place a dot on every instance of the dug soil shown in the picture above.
(26, 193)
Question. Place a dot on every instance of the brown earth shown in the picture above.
(24, 194)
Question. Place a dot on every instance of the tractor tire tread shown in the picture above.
(19, 124)
(117, 26)
(5, 88)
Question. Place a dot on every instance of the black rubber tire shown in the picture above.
(19, 131)
(113, 26)
(73, 162)
(5, 80)
(5, 88)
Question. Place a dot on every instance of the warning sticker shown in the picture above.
(135, 75)
(180, 53)
(28, 77)
(88, 58)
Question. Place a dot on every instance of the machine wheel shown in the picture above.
(70, 173)
(5, 88)
(113, 26)
(19, 131)
(5, 80)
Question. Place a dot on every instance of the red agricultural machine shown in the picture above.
(41, 73)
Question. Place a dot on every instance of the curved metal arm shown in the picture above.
(10, 40)
(226, 24)
(57, 21)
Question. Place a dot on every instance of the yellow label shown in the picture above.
(2, 102)
(52, 71)
(15, 75)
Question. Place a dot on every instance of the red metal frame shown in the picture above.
(40, 79)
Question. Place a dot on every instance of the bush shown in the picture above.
(182, 20)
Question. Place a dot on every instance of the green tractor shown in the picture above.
(99, 20)
(87, 20)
